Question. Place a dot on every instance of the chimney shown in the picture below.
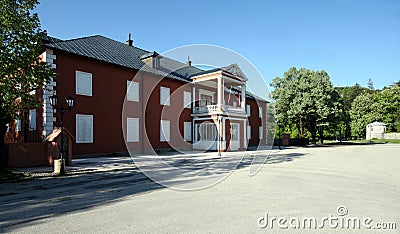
(129, 42)
(189, 63)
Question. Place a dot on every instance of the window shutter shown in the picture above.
(84, 128)
(260, 112)
(248, 132)
(32, 119)
(132, 91)
(187, 99)
(83, 83)
(18, 125)
(187, 131)
(248, 110)
(164, 96)
(132, 130)
(164, 130)
(260, 132)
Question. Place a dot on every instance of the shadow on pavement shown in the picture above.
(21, 203)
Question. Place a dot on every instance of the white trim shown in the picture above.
(48, 112)
(207, 74)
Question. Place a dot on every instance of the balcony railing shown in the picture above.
(215, 109)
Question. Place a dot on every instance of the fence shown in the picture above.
(391, 136)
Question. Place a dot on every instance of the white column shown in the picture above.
(193, 98)
(243, 101)
(220, 93)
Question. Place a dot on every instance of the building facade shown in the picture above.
(130, 99)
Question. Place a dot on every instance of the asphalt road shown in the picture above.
(295, 183)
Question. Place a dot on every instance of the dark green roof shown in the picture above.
(111, 51)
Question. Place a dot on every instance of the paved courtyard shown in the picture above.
(111, 195)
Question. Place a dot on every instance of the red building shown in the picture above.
(127, 98)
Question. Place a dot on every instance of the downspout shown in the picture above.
(143, 114)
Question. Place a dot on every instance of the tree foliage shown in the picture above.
(305, 98)
(382, 106)
(21, 69)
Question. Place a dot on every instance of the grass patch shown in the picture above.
(391, 141)
(8, 175)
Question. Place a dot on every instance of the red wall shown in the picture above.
(106, 104)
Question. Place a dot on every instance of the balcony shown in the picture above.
(219, 109)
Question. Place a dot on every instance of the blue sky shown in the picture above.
(353, 40)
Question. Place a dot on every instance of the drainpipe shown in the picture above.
(143, 114)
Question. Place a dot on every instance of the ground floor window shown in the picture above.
(32, 120)
(164, 130)
(234, 132)
(187, 131)
(132, 130)
(207, 132)
(248, 132)
(84, 128)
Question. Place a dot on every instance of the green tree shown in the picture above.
(21, 70)
(370, 84)
(361, 114)
(304, 98)
(382, 106)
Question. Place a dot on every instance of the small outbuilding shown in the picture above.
(375, 130)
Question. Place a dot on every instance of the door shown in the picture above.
(235, 136)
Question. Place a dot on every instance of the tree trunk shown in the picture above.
(313, 132)
(321, 134)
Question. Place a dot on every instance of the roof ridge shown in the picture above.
(122, 43)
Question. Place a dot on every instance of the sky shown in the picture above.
(353, 40)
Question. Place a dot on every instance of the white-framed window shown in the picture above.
(18, 125)
(234, 130)
(8, 127)
(234, 103)
(187, 131)
(187, 99)
(164, 96)
(248, 132)
(132, 91)
(260, 112)
(207, 132)
(164, 130)
(260, 132)
(206, 97)
(32, 120)
(84, 128)
(248, 110)
(132, 129)
(83, 83)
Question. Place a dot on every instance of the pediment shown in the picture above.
(235, 70)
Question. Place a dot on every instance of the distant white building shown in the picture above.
(375, 130)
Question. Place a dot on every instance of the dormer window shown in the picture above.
(152, 59)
